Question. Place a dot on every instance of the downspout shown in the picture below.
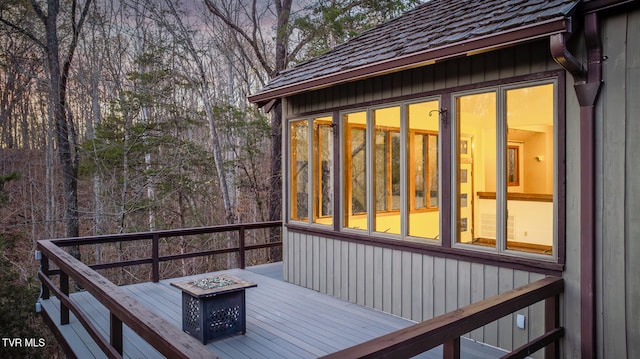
(587, 84)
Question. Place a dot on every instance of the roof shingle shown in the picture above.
(432, 25)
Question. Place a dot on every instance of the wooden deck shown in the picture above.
(283, 321)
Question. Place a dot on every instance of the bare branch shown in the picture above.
(252, 41)
(74, 40)
(36, 8)
(24, 32)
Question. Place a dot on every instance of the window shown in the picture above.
(355, 170)
(404, 181)
(387, 169)
(505, 169)
(424, 192)
(500, 156)
(323, 171)
(299, 133)
(318, 177)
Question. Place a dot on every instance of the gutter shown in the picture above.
(587, 87)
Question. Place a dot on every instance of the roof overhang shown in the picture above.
(463, 48)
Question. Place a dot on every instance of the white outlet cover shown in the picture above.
(521, 321)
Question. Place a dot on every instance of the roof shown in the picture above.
(433, 31)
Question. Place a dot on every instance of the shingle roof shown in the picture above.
(427, 31)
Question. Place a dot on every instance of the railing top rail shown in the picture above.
(423, 336)
(124, 237)
(164, 336)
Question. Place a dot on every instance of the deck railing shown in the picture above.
(447, 328)
(169, 340)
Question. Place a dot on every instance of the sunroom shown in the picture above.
(501, 144)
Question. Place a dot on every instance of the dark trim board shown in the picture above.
(283, 321)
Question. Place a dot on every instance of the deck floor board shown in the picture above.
(283, 321)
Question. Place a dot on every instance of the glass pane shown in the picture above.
(355, 160)
(323, 171)
(420, 171)
(530, 169)
(432, 169)
(299, 132)
(424, 215)
(382, 154)
(395, 171)
(476, 169)
(387, 169)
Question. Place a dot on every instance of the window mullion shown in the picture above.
(404, 170)
(501, 170)
(370, 137)
(389, 170)
(312, 170)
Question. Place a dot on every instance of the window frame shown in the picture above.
(444, 246)
(405, 181)
(502, 184)
(314, 176)
(347, 205)
(427, 177)
(317, 171)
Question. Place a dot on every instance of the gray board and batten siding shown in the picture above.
(618, 190)
(419, 286)
(416, 286)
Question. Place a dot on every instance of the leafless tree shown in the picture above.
(250, 32)
(59, 57)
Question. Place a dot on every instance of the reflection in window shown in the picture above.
(423, 194)
(355, 174)
(513, 165)
(425, 191)
(317, 178)
(299, 131)
(387, 169)
(323, 171)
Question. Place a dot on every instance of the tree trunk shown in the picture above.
(66, 149)
(275, 183)
(275, 179)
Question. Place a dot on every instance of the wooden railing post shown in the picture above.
(115, 332)
(64, 288)
(241, 246)
(451, 349)
(155, 258)
(44, 267)
(551, 322)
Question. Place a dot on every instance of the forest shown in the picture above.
(121, 116)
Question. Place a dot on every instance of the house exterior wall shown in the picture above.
(420, 286)
(411, 285)
(618, 190)
(417, 286)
